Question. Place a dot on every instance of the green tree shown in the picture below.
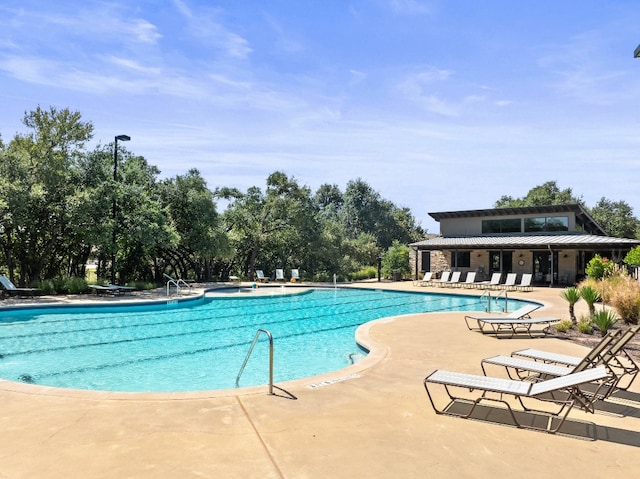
(41, 195)
(396, 259)
(633, 257)
(616, 218)
(546, 194)
(192, 212)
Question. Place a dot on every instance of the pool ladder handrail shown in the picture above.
(175, 282)
(246, 359)
(487, 294)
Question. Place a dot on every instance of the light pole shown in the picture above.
(114, 206)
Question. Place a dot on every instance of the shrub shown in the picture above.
(599, 267)
(633, 257)
(604, 320)
(564, 326)
(585, 327)
(365, 273)
(625, 298)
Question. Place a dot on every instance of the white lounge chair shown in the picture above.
(454, 279)
(478, 389)
(495, 281)
(280, 275)
(509, 282)
(525, 283)
(444, 278)
(295, 275)
(610, 352)
(469, 281)
(517, 321)
(260, 276)
(426, 279)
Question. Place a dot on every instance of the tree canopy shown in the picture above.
(615, 217)
(61, 208)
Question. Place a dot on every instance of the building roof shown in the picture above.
(535, 241)
(582, 217)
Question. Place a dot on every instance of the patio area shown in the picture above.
(371, 419)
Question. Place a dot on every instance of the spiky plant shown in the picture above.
(591, 296)
(604, 320)
(572, 296)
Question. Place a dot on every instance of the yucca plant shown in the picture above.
(591, 296)
(572, 296)
(604, 320)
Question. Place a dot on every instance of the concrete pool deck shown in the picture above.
(371, 419)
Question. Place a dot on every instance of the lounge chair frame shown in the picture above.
(518, 321)
(521, 369)
(564, 392)
(610, 352)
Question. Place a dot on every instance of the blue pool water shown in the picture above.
(199, 344)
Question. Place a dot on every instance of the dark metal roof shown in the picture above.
(582, 216)
(555, 241)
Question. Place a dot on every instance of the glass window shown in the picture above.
(558, 223)
(551, 223)
(509, 225)
(461, 259)
(533, 224)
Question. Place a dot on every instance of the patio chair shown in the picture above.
(612, 354)
(521, 369)
(520, 313)
(493, 282)
(12, 290)
(525, 283)
(454, 279)
(295, 275)
(260, 276)
(518, 321)
(425, 279)
(469, 281)
(444, 278)
(280, 275)
(509, 282)
(108, 289)
(564, 391)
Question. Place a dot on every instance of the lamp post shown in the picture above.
(114, 206)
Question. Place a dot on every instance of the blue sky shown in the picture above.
(438, 105)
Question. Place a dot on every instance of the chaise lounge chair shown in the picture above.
(425, 280)
(469, 281)
(260, 276)
(109, 289)
(295, 275)
(509, 282)
(609, 352)
(453, 281)
(12, 290)
(494, 282)
(525, 283)
(517, 321)
(280, 275)
(444, 278)
(564, 391)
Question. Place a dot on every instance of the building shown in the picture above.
(554, 243)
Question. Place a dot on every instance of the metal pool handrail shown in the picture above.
(255, 340)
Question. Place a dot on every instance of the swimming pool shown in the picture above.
(200, 344)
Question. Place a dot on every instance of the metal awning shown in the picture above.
(556, 241)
